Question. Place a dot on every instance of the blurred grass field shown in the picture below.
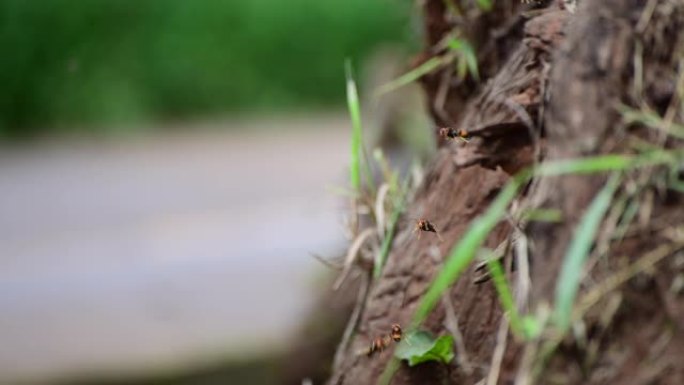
(97, 64)
(198, 84)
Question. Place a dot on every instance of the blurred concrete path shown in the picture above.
(151, 253)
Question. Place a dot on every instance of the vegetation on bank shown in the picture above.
(110, 62)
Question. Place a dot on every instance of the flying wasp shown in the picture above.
(381, 343)
(396, 333)
(449, 133)
(426, 226)
(378, 345)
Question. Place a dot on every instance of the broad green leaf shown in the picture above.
(419, 346)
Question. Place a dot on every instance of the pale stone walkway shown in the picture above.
(128, 255)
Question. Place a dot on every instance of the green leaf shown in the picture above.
(419, 346)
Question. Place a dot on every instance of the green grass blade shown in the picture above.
(357, 140)
(543, 215)
(485, 5)
(389, 237)
(651, 119)
(604, 163)
(359, 157)
(627, 217)
(386, 243)
(471, 59)
(413, 75)
(576, 255)
(586, 166)
(464, 252)
(673, 181)
(505, 296)
(467, 57)
(392, 367)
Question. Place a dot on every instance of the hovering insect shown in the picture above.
(449, 133)
(378, 345)
(426, 226)
(396, 333)
(381, 343)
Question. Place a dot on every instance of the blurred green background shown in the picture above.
(175, 254)
(92, 65)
